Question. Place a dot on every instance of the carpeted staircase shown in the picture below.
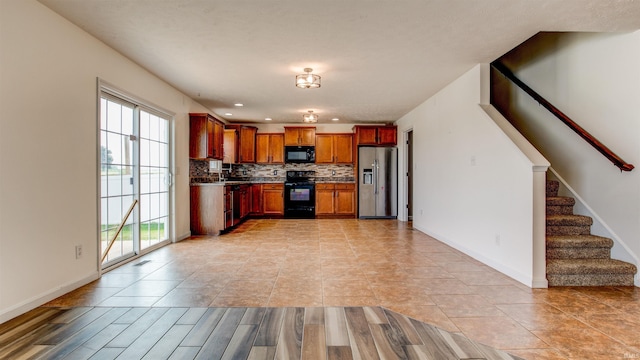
(574, 256)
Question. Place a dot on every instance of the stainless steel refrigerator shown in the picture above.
(377, 182)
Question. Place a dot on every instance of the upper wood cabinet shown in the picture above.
(376, 135)
(334, 149)
(239, 144)
(299, 135)
(270, 148)
(205, 136)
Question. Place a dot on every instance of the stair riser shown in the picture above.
(568, 230)
(590, 280)
(559, 210)
(552, 188)
(578, 253)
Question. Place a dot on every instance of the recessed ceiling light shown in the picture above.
(335, 119)
(228, 114)
(267, 119)
(238, 104)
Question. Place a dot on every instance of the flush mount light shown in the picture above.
(308, 80)
(238, 104)
(228, 114)
(267, 119)
(310, 117)
(335, 119)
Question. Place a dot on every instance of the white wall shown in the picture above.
(473, 186)
(48, 150)
(595, 80)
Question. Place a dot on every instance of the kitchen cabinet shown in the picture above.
(334, 149)
(273, 199)
(270, 148)
(215, 208)
(239, 144)
(299, 135)
(336, 199)
(205, 137)
(376, 135)
(256, 199)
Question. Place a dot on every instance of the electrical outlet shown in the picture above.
(275, 172)
(497, 239)
(78, 251)
(333, 173)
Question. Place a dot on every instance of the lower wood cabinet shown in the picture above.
(256, 200)
(336, 199)
(273, 199)
(215, 208)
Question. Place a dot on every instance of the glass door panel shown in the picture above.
(154, 179)
(117, 176)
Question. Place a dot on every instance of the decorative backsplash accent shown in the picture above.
(199, 172)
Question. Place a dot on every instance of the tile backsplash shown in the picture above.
(199, 171)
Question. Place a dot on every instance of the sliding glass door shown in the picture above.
(134, 165)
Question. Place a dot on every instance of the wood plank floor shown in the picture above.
(291, 333)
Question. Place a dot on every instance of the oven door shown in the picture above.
(299, 199)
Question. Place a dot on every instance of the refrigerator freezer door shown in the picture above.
(366, 188)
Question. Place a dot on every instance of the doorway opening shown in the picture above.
(409, 174)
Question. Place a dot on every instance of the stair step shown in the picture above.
(560, 205)
(590, 272)
(552, 188)
(569, 241)
(568, 225)
(578, 247)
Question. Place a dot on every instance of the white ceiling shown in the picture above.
(378, 59)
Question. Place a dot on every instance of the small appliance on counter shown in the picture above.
(377, 185)
(300, 195)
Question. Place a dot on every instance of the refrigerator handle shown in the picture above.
(375, 176)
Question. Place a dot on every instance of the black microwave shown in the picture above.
(299, 154)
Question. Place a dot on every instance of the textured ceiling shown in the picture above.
(378, 59)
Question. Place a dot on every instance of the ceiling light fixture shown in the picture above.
(228, 114)
(335, 119)
(308, 80)
(310, 117)
(238, 104)
(267, 119)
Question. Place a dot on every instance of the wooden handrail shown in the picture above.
(615, 159)
(113, 239)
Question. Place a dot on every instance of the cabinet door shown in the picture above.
(248, 144)
(345, 201)
(308, 136)
(273, 199)
(200, 134)
(262, 149)
(210, 138)
(366, 135)
(218, 140)
(276, 148)
(324, 201)
(291, 136)
(230, 146)
(324, 149)
(387, 135)
(256, 199)
(245, 201)
(343, 149)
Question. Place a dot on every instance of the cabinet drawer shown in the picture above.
(273, 186)
(325, 186)
(345, 186)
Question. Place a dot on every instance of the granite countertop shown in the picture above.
(270, 180)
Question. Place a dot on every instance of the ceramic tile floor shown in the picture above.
(311, 263)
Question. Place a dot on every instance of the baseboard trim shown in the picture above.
(34, 302)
